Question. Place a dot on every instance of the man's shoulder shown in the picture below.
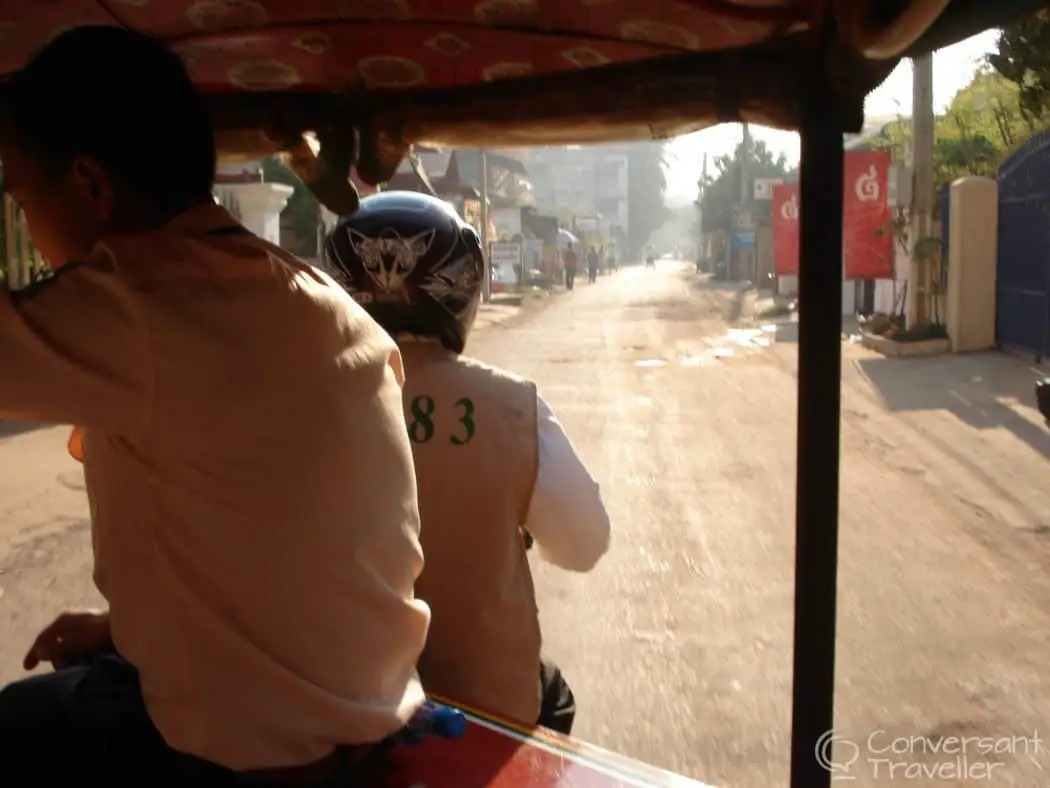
(502, 383)
(94, 280)
(471, 372)
(148, 261)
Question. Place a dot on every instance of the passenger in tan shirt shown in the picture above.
(250, 479)
(494, 466)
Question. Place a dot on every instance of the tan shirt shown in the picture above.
(474, 437)
(250, 480)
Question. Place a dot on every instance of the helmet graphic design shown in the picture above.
(390, 258)
(412, 262)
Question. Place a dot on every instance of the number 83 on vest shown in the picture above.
(428, 420)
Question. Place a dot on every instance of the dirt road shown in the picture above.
(678, 645)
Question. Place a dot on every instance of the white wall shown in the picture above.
(259, 206)
(507, 221)
(887, 289)
(789, 285)
(849, 295)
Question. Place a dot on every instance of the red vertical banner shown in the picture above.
(785, 229)
(867, 244)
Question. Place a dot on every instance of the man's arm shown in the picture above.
(567, 517)
(75, 349)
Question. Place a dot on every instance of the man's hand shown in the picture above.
(73, 638)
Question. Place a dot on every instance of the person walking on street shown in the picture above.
(592, 265)
(570, 260)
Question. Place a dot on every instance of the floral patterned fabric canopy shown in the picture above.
(524, 71)
(253, 45)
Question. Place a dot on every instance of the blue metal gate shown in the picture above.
(1022, 309)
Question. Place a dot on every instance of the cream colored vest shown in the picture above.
(473, 431)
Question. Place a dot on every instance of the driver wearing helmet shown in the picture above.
(493, 464)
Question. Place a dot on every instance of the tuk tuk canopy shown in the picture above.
(516, 72)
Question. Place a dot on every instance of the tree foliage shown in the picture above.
(1022, 56)
(721, 192)
(983, 124)
(990, 106)
(647, 184)
(1005, 103)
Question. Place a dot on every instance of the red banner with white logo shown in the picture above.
(867, 244)
(785, 229)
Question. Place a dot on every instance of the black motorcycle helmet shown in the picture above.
(412, 262)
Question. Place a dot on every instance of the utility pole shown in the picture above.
(13, 271)
(741, 206)
(745, 195)
(483, 169)
(921, 151)
(701, 238)
(745, 153)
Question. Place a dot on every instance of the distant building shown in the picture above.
(587, 181)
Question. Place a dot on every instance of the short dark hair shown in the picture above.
(123, 99)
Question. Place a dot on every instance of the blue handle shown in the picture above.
(432, 719)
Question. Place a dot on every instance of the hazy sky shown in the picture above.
(952, 69)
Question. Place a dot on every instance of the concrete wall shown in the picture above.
(764, 272)
(507, 221)
(973, 249)
(259, 206)
(887, 290)
(849, 294)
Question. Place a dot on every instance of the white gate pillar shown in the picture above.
(258, 206)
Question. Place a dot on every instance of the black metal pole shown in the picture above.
(817, 491)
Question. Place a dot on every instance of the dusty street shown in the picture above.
(678, 645)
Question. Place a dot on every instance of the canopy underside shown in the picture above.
(517, 72)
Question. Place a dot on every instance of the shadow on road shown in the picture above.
(974, 387)
(738, 292)
(787, 328)
(787, 331)
(9, 429)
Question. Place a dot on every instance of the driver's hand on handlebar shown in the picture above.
(74, 638)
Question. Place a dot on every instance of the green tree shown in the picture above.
(990, 106)
(303, 208)
(982, 125)
(1022, 56)
(647, 183)
(721, 192)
